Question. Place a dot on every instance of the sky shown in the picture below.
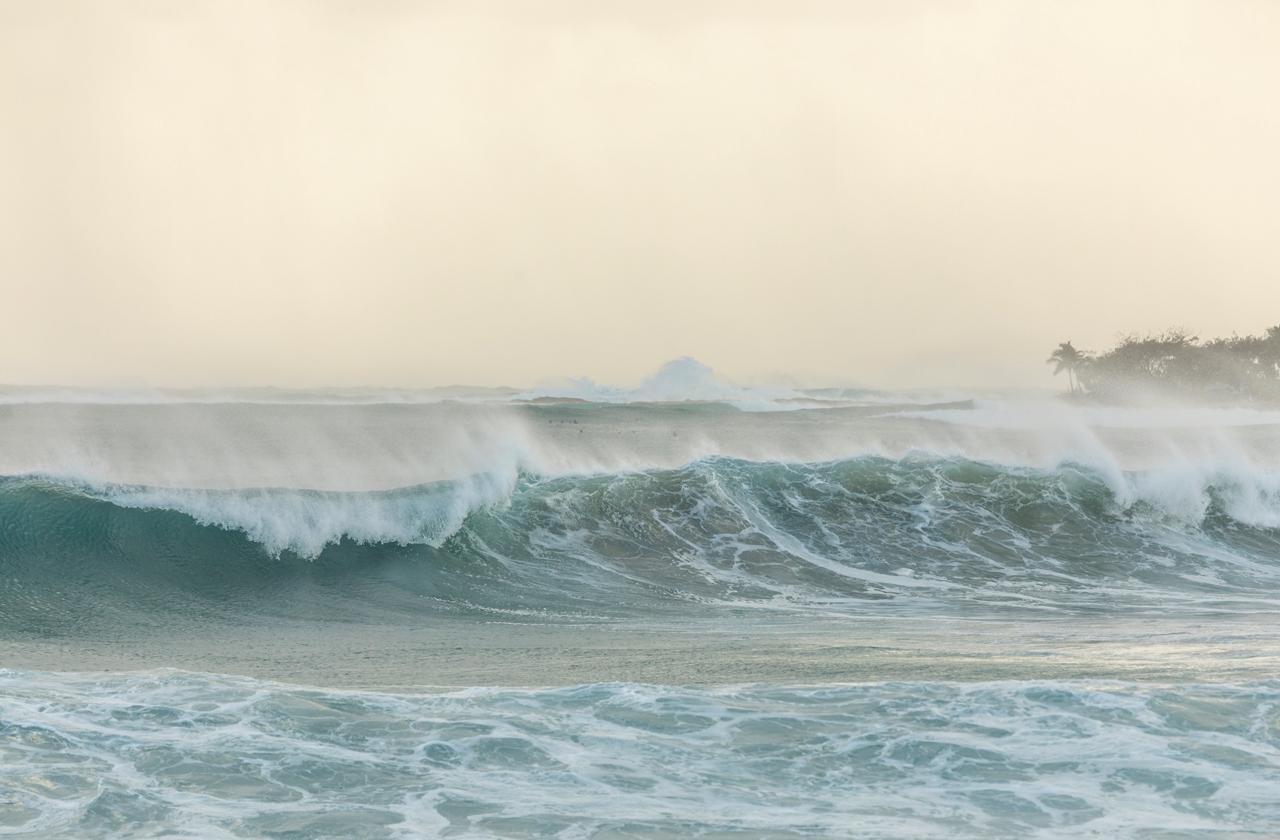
(397, 193)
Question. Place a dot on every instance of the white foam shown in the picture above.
(335, 468)
(305, 521)
(1030, 413)
(1185, 492)
(192, 754)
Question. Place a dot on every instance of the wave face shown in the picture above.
(222, 757)
(831, 568)
(918, 535)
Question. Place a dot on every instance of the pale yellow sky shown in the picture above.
(406, 193)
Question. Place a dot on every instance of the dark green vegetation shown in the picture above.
(1176, 362)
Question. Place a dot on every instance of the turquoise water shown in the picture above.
(923, 535)
(224, 757)
(638, 621)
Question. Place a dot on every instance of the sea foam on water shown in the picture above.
(995, 616)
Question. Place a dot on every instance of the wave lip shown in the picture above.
(305, 521)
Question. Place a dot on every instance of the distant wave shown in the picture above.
(12, 395)
(1044, 414)
(677, 381)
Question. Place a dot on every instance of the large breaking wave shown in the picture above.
(569, 544)
(920, 533)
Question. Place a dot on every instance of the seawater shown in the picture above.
(775, 614)
(194, 755)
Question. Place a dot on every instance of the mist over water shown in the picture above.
(493, 192)
(342, 493)
(894, 614)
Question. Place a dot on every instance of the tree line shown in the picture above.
(1175, 362)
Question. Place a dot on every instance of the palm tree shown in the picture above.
(1069, 359)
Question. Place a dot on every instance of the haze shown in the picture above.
(412, 194)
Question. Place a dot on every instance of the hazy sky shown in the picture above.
(417, 193)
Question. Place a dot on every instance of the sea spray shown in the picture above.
(918, 534)
(874, 618)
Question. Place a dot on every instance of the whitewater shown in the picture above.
(682, 610)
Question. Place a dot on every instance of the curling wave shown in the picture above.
(921, 533)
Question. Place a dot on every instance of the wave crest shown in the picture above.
(923, 532)
(305, 521)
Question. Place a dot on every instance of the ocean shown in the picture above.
(689, 612)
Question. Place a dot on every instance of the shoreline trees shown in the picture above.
(1175, 362)
(1069, 359)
